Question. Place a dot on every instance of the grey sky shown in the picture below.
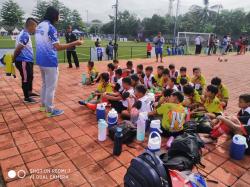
(100, 9)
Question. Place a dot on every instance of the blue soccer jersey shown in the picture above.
(26, 53)
(46, 37)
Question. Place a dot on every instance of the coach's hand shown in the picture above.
(80, 41)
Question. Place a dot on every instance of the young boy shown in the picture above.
(111, 72)
(173, 73)
(166, 93)
(183, 74)
(192, 98)
(149, 49)
(173, 115)
(116, 64)
(158, 77)
(135, 80)
(118, 79)
(166, 77)
(120, 101)
(183, 82)
(171, 84)
(99, 53)
(198, 80)
(140, 73)
(129, 70)
(223, 93)
(241, 124)
(149, 77)
(141, 103)
(92, 71)
(103, 87)
(212, 105)
(23, 58)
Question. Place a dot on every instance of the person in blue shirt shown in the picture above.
(99, 53)
(23, 58)
(159, 41)
(47, 45)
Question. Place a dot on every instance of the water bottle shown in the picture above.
(140, 133)
(154, 143)
(102, 130)
(84, 79)
(100, 111)
(238, 147)
(112, 117)
(117, 149)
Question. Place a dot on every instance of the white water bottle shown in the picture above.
(141, 127)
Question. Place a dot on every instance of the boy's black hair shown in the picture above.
(140, 66)
(118, 72)
(213, 89)
(183, 81)
(173, 80)
(245, 98)
(141, 89)
(196, 68)
(134, 77)
(91, 63)
(111, 66)
(52, 15)
(149, 68)
(167, 92)
(115, 61)
(183, 69)
(179, 96)
(129, 63)
(188, 90)
(171, 66)
(127, 80)
(105, 77)
(166, 71)
(216, 81)
(160, 67)
(29, 20)
(117, 87)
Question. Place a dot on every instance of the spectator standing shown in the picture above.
(159, 42)
(97, 42)
(110, 50)
(149, 49)
(210, 44)
(198, 45)
(71, 37)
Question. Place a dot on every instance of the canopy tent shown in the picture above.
(15, 31)
(2, 30)
(76, 31)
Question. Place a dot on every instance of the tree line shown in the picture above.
(206, 18)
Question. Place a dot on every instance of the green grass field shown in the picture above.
(126, 50)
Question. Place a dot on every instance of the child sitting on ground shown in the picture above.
(118, 79)
(192, 99)
(149, 77)
(183, 82)
(173, 73)
(166, 77)
(166, 93)
(140, 73)
(103, 87)
(92, 72)
(129, 70)
(135, 80)
(158, 77)
(183, 74)
(171, 84)
(116, 64)
(223, 93)
(198, 80)
(173, 115)
(212, 105)
(111, 72)
(120, 101)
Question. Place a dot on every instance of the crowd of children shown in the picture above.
(177, 96)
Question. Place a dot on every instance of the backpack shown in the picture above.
(184, 153)
(147, 170)
(128, 131)
(201, 126)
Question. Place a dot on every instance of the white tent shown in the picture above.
(15, 31)
(2, 30)
(76, 31)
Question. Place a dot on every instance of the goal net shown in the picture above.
(187, 39)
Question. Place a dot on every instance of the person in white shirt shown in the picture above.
(198, 45)
(118, 79)
(149, 77)
(171, 84)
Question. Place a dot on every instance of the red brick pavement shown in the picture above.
(29, 140)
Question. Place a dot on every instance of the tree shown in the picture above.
(40, 9)
(11, 15)
(95, 26)
(76, 20)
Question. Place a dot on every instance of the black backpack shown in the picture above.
(128, 131)
(201, 126)
(184, 153)
(147, 170)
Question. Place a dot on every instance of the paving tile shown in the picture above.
(233, 168)
(109, 164)
(38, 164)
(74, 179)
(246, 177)
(92, 172)
(45, 142)
(22, 137)
(40, 135)
(104, 181)
(50, 150)
(6, 141)
(224, 176)
(240, 183)
(99, 154)
(245, 162)
(57, 158)
(67, 167)
(55, 183)
(20, 170)
(6, 153)
(12, 162)
(32, 155)
(41, 178)
(214, 158)
(74, 132)
(222, 152)
(27, 182)
(27, 147)
(68, 144)
(125, 157)
(75, 152)
(118, 174)
(83, 161)
(209, 166)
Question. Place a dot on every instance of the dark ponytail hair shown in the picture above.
(52, 15)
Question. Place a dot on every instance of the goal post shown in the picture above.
(187, 39)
